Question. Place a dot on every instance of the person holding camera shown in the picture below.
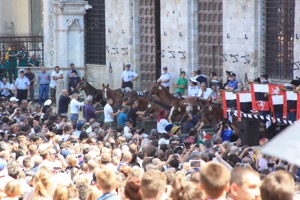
(227, 130)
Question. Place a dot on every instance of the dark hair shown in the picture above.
(192, 132)
(182, 72)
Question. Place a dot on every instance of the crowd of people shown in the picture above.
(46, 154)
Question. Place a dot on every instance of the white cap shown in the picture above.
(48, 102)
(13, 99)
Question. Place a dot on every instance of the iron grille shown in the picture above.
(95, 52)
(33, 44)
(279, 38)
(149, 18)
(210, 17)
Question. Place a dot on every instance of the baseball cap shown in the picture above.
(174, 129)
(48, 102)
(13, 99)
(128, 120)
(169, 127)
(79, 124)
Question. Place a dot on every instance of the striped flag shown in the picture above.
(260, 101)
(244, 103)
(229, 102)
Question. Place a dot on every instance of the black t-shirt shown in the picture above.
(201, 79)
(63, 104)
(30, 77)
(132, 115)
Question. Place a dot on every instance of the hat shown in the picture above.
(174, 130)
(127, 64)
(21, 71)
(169, 127)
(72, 64)
(13, 99)
(79, 124)
(193, 80)
(264, 76)
(2, 164)
(89, 98)
(48, 102)
(295, 82)
(232, 74)
(229, 72)
(128, 120)
(74, 71)
(165, 67)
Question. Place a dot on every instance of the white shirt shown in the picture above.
(75, 106)
(5, 88)
(193, 91)
(207, 93)
(127, 133)
(165, 76)
(52, 81)
(107, 113)
(128, 75)
(161, 125)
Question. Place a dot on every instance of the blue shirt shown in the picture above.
(226, 135)
(22, 83)
(109, 196)
(44, 78)
(233, 84)
(121, 118)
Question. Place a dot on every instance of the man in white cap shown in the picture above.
(193, 88)
(22, 86)
(165, 78)
(128, 77)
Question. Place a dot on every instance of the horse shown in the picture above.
(116, 96)
(90, 90)
(211, 113)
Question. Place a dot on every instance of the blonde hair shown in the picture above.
(153, 182)
(93, 193)
(72, 161)
(106, 179)
(185, 190)
(42, 183)
(12, 188)
(61, 193)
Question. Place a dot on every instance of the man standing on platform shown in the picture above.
(31, 78)
(128, 77)
(43, 81)
(22, 86)
(165, 78)
(55, 75)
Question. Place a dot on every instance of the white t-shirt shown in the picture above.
(75, 106)
(52, 81)
(107, 113)
(161, 125)
(206, 94)
(193, 91)
(128, 75)
(127, 133)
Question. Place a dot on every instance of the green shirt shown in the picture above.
(181, 82)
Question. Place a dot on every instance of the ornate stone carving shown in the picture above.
(71, 21)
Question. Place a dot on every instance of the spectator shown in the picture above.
(6, 90)
(165, 78)
(193, 88)
(73, 81)
(33, 61)
(214, 180)
(122, 117)
(43, 81)
(31, 78)
(205, 92)
(132, 188)
(244, 184)
(181, 84)
(227, 131)
(69, 75)
(90, 112)
(133, 112)
(233, 83)
(55, 75)
(185, 190)
(162, 122)
(22, 85)
(278, 185)
(201, 78)
(153, 184)
(23, 57)
(74, 108)
(63, 103)
(128, 77)
(107, 183)
(109, 113)
(12, 190)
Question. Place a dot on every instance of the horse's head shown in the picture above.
(155, 89)
(80, 86)
(105, 91)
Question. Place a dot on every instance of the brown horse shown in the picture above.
(210, 112)
(90, 90)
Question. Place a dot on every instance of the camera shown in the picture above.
(195, 164)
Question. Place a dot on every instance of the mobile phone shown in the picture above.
(217, 149)
(195, 164)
